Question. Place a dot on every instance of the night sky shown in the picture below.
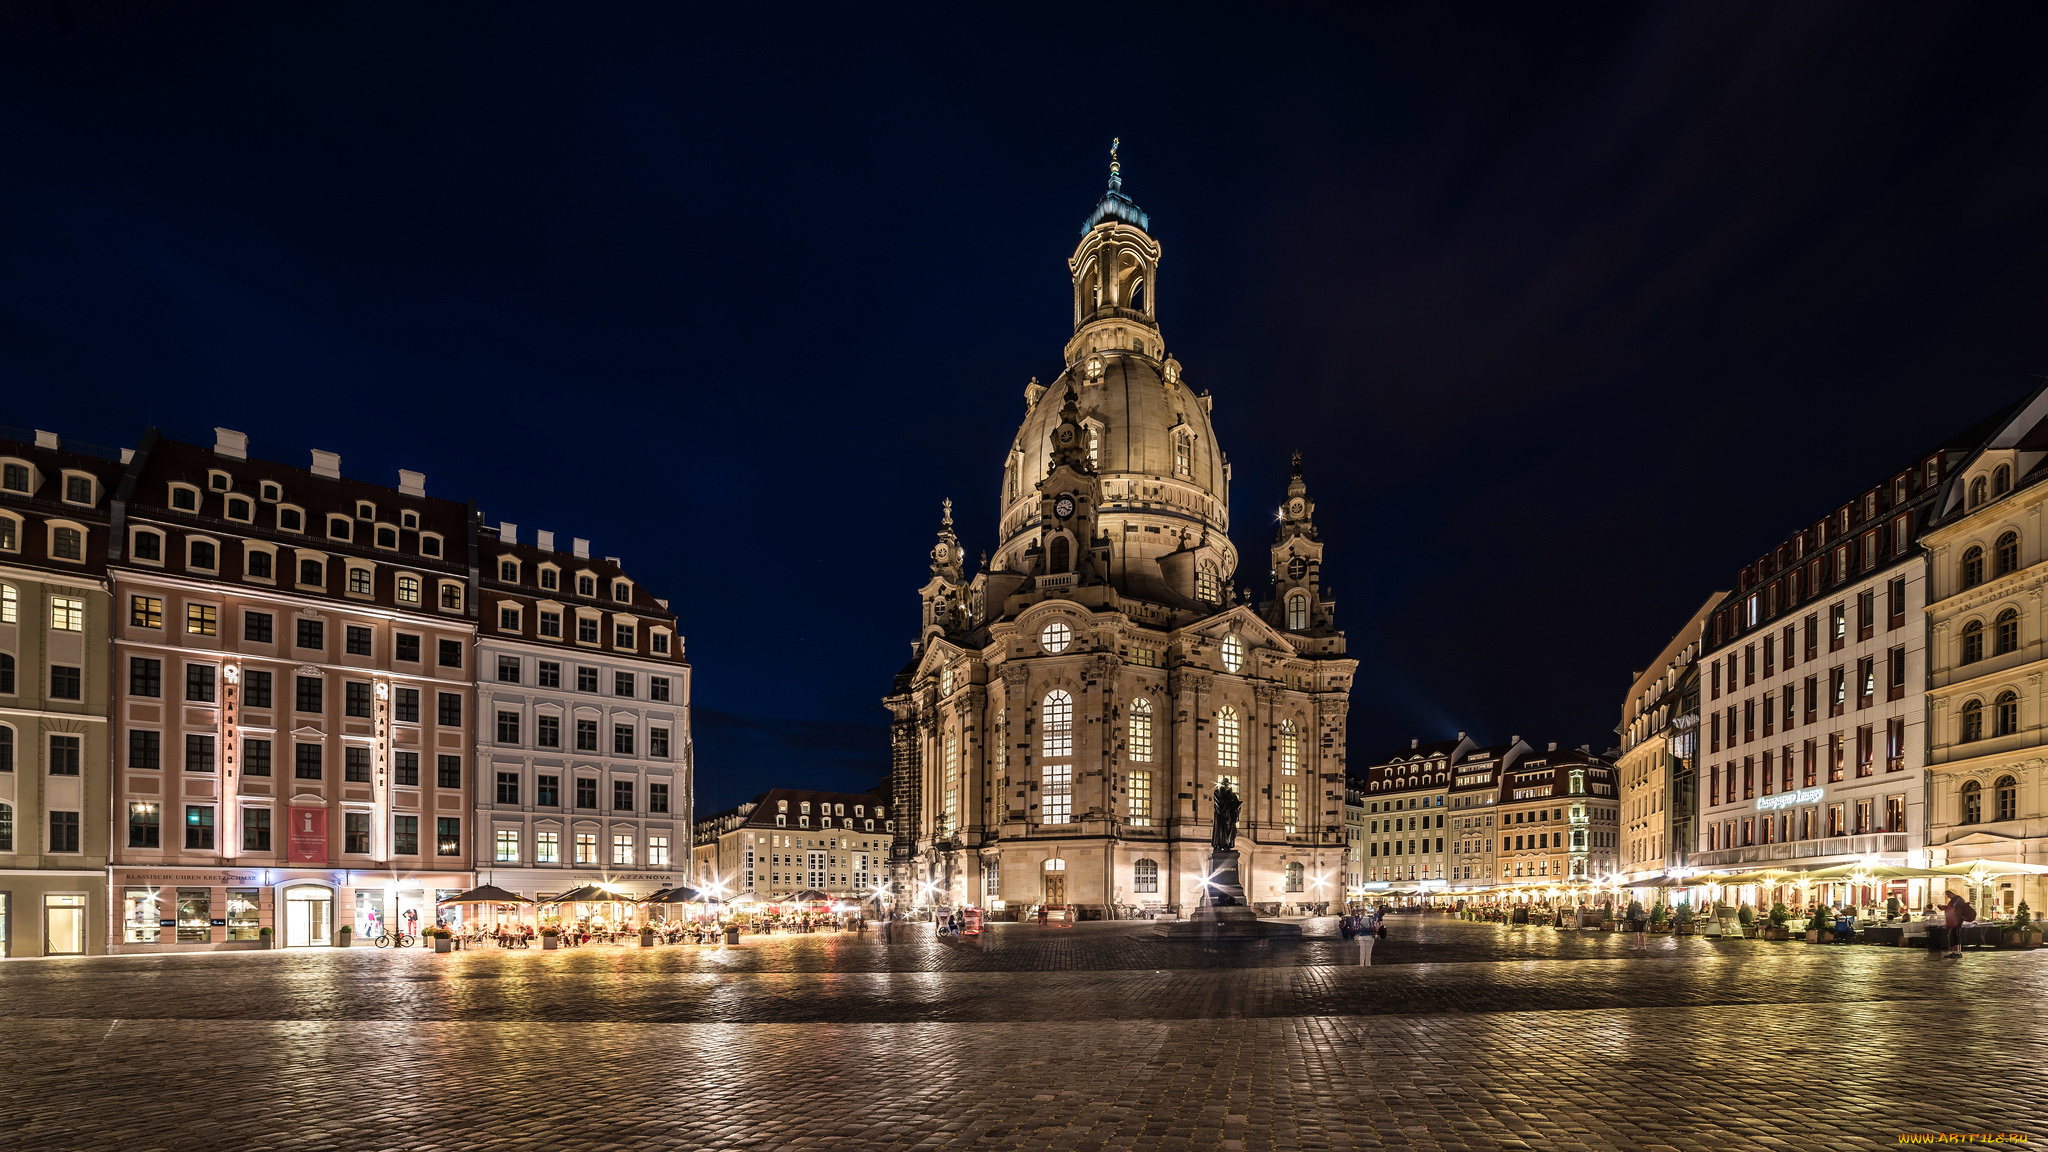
(1572, 310)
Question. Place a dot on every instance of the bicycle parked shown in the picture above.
(385, 939)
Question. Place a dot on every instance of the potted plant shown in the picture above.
(550, 938)
(2023, 933)
(1781, 916)
(263, 935)
(1660, 918)
(1607, 916)
(344, 936)
(444, 940)
(1682, 919)
(1745, 917)
(646, 936)
(1818, 929)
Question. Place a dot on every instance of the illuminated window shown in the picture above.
(508, 845)
(1297, 612)
(1139, 789)
(1290, 749)
(1290, 807)
(1233, 652)
(67, 614)
(1227, 739)
(1209, 584)
(1056, 793)
(952, 816)
(1140, 741)
(586, 848)
(1057, 637)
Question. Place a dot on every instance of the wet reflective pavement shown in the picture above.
(1096, 1037)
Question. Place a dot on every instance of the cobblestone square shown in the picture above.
(1100, 1037)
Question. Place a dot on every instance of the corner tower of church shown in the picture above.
(1071, 705)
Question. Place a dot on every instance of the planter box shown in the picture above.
(1750, 932)
(1777, 933)
(550, 943)
(1607, 925)
(441, 945)
(646, 938)
(1687, 929)
(1660, 929)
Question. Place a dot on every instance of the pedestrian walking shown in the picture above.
(1636, 920)
(1955, 913)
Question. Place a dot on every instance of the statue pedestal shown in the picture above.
(1223, 912)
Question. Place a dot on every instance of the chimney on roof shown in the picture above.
(412, 483)
(327, 464)
(580, 548)
(46, 439)
(230, 443)
(1586, 748)
(127, 455)
(546, 540)
(1461, 735)
(1415, 741)
(508, 532)
(1514, 740)
(611, 559)
(1553, 745)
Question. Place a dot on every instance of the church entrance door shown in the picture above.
(1055, 888)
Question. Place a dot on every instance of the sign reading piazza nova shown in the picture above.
(1790, 799)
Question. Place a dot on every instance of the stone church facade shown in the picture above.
(1072, 705)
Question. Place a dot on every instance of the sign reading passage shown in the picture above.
(1788, 799)
(308, 838)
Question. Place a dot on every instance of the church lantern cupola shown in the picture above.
(1116, 276)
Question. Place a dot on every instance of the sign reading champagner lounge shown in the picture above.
(307, 841)
(1789, 799)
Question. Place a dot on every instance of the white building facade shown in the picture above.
(583, 724)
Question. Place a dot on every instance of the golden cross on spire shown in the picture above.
(1113, 166)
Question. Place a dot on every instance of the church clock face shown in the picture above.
(1297, 568)
(1295, 507)
(1063, 507)
(1066, 435)
(940, 552)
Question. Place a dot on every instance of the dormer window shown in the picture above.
(78, 489)
(550, 578)
(621, 590)
(338, 527)
(14, 477)
(219, 481)
(586, 585)
(387, 536)
(239, 508)
(805, 807)
(359, 581)
(408, 589)
(184, 498)
(270, 492)
(290, 519)
(451, 597)
(366, 511)
(782, 805)
(508, 571)
(430, 544)
(410, 521)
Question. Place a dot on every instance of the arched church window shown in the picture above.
(1233, 652)
(1297, 613)
(1056, 638)
(1056, 790)
(1061, 555)
(1977, 491)
(1208, 585)
(1290, 749)
(2001, 480)
(1138, 294)
(1228, 739)
(1183, 454)
(1140, 736)
(1294, 872)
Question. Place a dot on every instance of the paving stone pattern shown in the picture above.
(1096, 1038)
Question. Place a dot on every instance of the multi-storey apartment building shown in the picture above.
(1815, 673)
(292, 717)
(1559, 819)
(583, 745)
(1404, 814)
(53, 694)
(1473, 798)
(1987, 736)
(1354, 834)
(1657, 740)
(787, 841)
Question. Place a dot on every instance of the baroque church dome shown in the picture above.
(1164, 480)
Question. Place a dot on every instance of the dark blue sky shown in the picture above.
(1573, 310)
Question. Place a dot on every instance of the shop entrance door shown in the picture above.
(64, 925)
(308, 918)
